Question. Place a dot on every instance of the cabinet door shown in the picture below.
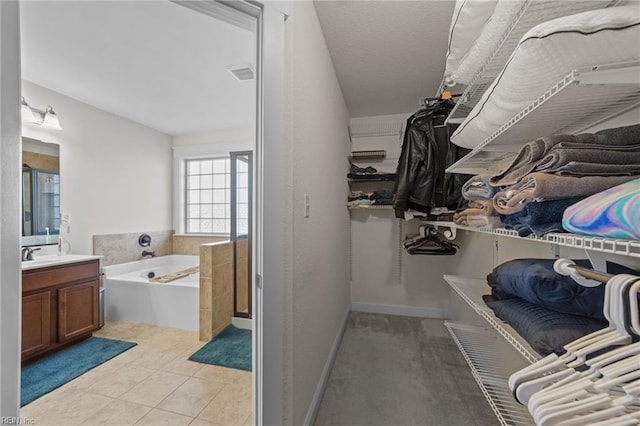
(36, 323)
(77, 310)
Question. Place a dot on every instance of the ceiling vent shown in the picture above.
(242, 73)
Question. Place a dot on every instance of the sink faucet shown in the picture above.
(148, 253)
(27, 253)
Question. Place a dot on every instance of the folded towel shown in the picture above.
(614, 213)
(619, 138)
(532, 152)
(626, 135)
(578, 168)
(486, 206)
(540, 186)
(558, 157)
(539, 218)
(478, 188)
(476, 217)
(483, 221)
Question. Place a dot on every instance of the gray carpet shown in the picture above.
(393, 370)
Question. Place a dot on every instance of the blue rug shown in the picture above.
(53, 371)
(231, 348)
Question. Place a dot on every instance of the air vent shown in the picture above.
(242, 73)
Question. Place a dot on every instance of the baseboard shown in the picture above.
(407, 311)
(244, 323)
(326, 371)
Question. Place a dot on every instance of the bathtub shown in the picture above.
(130, 296)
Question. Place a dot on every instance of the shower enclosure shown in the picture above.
(241, 196)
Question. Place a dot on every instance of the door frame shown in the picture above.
(268, 265)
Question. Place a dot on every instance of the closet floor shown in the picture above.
(394, 370)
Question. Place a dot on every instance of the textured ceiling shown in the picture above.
(155, 63)
(386, 54)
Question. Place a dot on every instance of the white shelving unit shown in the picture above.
(471, 291)
(476, 346)
(581, 99)
(629, 248)
(532, 13)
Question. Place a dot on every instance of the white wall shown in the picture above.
(318, 271)
(115, 175)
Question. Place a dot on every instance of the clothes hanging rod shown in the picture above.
(567, 267)
(592, 274)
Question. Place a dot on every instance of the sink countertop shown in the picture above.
(54, 259)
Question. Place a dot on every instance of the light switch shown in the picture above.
(306, 205)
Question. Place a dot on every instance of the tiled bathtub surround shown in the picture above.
(190, 244)
(216, 288)
(122, 248)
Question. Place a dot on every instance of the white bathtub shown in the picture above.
(129, 296)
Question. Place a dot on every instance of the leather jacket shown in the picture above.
(421, 182)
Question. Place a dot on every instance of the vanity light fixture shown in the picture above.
(47, 118)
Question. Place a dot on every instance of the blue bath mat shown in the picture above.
(231, 348)
(53, 371)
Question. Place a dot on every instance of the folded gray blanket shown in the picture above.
(617, 139)
(540, 186)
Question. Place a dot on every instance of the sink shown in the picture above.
(51, 260)
(38, 262)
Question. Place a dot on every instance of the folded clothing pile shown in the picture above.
(551, 174)
(480, 211)
(361, 198)
(547, 309)
(369, 173)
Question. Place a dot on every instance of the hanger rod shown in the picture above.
(591, 274)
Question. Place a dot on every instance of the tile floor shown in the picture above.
(150, 384)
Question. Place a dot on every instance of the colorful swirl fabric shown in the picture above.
(613, 213)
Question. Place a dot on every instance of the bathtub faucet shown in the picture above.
(148, 253)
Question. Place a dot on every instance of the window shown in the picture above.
(208, 196)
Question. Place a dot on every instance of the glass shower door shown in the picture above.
(241, 196)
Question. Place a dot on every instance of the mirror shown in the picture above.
(40, 192)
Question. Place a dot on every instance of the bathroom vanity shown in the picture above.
(60, 302)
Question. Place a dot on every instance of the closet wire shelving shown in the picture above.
(629, 248)
(581, 99)
(471, 291)
(476, 346)
(531, 13)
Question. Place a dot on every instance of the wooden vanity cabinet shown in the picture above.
(59, 305)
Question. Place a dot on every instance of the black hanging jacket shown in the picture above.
(421, 182)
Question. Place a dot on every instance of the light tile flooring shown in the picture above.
(150, 384)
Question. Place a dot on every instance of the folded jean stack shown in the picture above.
(550, 174)
(376, 198)
(480, 211)
(547, 309)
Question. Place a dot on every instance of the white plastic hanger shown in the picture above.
(522, 382)
(549, 406)
(568, 380)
